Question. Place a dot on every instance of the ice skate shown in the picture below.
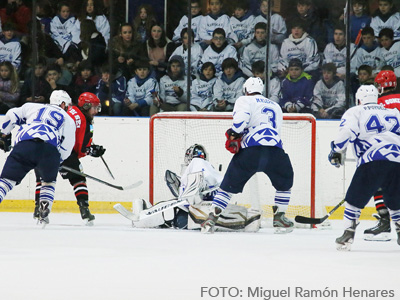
(381, 231)
(344, 242)
(281, 223)
(398, 232)
(36, 211)
(86, 215)
(44, 211)
(208, 226)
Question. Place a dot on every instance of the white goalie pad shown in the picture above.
(233, 218)
(190, 190)
(154, 220)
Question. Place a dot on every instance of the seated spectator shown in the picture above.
(335, 17)
(364, 77)
(9, 87)
(202, 88)
(359, 19)
(141, 91)
(386, 16)
(297, 89)
(196, 52)
(302, 46)
(10, 46)
(256, 51)
(111, 78)
(173, 88)
(53, 78)
(126, 50)
(36, 85)
(242, 24)
(218, 51)
(85, 79)
(18, 13)
(274, 87)
(278, 25)
(44, 14)
(329, 95)
(159, 48)
(195, 6)
(390, 50)
(229, 86)
(142, 22)
(91, 10)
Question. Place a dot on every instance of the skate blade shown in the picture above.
(207, 229)
(283, 230)
(43, 222)
(382, 237)
(343, 247)
(89, 223)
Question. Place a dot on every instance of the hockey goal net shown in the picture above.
(172, 133)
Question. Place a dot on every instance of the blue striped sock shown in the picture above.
(395, 215)
(47, 192)
(351, 213)
(221, 199)
(6, 185)
(282, 199)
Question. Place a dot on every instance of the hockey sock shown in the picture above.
(380, 204)
(81, 194)
(6, 185)
(282, 199)
(47, 192)
(37, 191)
(221, 199)
(395, 215)
(351, 213)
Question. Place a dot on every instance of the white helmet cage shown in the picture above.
(367, 94)
(195, 150)
(57, 97)
(253, 85)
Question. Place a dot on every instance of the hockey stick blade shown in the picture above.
(306, 220)
(126, 213)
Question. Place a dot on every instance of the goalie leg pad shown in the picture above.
(154, 220)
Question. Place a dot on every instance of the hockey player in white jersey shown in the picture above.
(45, 138)
(374, 132)
(255, 140)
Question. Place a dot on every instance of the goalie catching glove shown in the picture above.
(233, 140)
(5, 142)
(96, 150)
(336, 158)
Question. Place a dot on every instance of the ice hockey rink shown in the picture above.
(112, 260)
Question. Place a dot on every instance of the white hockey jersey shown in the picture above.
(329, 97)
(183, 23)
(49, 123)
(305, 49)
(391, 57)
(202, 92)
(369, 57)
(102, 25)
(338, 56)
(196, 54)
(377, 24)
(243, 29)
(61, 33)
(259, 119)
(217, 57)
(141, 91)
(373, 131)
(278, 27)
(167, 93)
(208, 24)
(10, 50)
(254, 52)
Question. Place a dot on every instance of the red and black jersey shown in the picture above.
(390, 100)
(83, 133)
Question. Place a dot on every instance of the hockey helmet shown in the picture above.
(88, 100)
(367, 94)
(385, 79)
(253, 85)
(193, 151)
(57, 97)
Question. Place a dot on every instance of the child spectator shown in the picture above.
(196, 52)
(10, 47)
(360, 18)
(336, 52)
(18, 13)
(257, 49)
(364, 77)
(111, 76)
(9, 87)
(215, 19)
(329, 95)
(386, 16)
(159, 48)
(297, 89)
(228, 87)
(44, 14)
(278, 25)
(202, 88)
(91, 10)
(86, 80)
(140, 92)
(54, 78)
(126, 50)
(173, 88)
(143, 21)
(274, 88)
(218, 51)
(302, 46)
(369, 53)
(195, 6)
(242, 24)
(39, 85)
(60, 27)
(390, 50)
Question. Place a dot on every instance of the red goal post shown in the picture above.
(171, 133)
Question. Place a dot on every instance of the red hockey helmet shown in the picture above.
(88, 100)
(385, 79)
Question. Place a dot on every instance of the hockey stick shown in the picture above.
(136, 184)
(108, 169)
(305, 220)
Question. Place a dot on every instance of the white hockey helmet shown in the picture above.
(195, 150)
(253, 85)
(367, 94)
(57, 97)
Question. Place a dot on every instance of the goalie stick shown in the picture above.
(122, 188)
(306, 220)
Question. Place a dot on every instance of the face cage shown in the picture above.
(88, 106)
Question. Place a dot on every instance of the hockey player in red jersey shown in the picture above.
(386, 82)
(82, 114)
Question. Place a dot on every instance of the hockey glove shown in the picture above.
(5, 142)
(335, 158)
(96, 150)
(233, 140)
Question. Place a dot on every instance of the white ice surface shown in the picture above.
(112, 260)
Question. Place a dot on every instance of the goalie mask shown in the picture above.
(367, 94)
(195, 150)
